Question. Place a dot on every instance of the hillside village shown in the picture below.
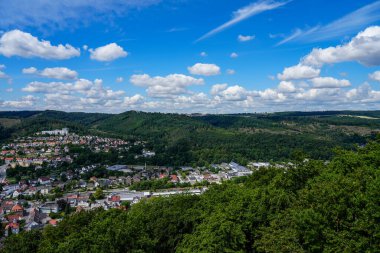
(51, 191)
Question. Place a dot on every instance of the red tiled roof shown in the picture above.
(72, 196)
(53, 222)
(17, 208)
(115, 198)
(13, 225)
(13, 217)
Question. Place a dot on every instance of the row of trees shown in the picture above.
(310, 207)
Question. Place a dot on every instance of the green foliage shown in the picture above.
(99, 194)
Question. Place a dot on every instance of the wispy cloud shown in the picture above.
(64, 13)
(347, 25)
(244, 13)
(176, 29)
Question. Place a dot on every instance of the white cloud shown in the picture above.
(80, 85)
(245, 38)
(298, 72)
(128, 101)
(168, 86)
(93, 96)
(18, 43)
(231, 71)
(31, 70)
(363, 94)
(329, 82)
(120, 79)
(61, 73)
(25, 102)
(364, 48)
(85, 47)
(344, 26)
(203, 54)
(375, 76)
(108, 53)
(217, 88)
(234, 93)
(246, 12)
(203, 69)
(270, 94)
(83, 95)
(234, 55)
(286, 86)
(320, 95)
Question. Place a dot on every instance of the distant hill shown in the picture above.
(203, 139)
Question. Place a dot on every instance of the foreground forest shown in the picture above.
(309, 207)
(204, 139)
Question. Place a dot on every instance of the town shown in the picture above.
(43, 180)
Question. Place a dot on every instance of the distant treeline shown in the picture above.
(206, 139)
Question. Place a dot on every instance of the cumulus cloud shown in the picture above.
(61, 73)
(167, 86)
(363, 94)
(231, 93)
(80, 85)
(329, 82)
(203, 69)
(297, 72)
(128, 101)
(18, 43)
(92, 95)
(25, 102)
(217, 88)
(82, 95)
(31, 70)
(108, 53)
(320, 95)
(363, 48)
(245, 38)
(271, 94)
(375, 76)
(286, 86)
(234, 55)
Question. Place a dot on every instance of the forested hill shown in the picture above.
(203, 139)
(309, 207)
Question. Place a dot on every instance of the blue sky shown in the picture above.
(189, 55)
